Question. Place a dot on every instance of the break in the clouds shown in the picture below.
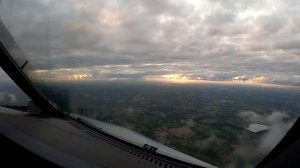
(135, 39)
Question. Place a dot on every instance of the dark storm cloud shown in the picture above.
(214, 40)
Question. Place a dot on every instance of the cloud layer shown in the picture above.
(212, 40)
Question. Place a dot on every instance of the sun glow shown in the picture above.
(172, 78)
(176, 78)
(78, 76)
(253, 79)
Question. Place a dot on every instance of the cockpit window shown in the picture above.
(216, 80)
(10, 95)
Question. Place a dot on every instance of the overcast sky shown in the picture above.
(257, 41)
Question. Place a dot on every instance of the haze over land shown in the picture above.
(206, 121)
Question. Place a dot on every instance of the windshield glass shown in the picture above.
(10, 95)
(216, 80)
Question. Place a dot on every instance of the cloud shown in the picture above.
(251, 79)
(215, 40)
(7, 98)
(205, 144)
(290, 44)
(278, 121)
(251, 116)
(246, 154)
(278, 129)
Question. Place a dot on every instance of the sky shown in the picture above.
(166, 41)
